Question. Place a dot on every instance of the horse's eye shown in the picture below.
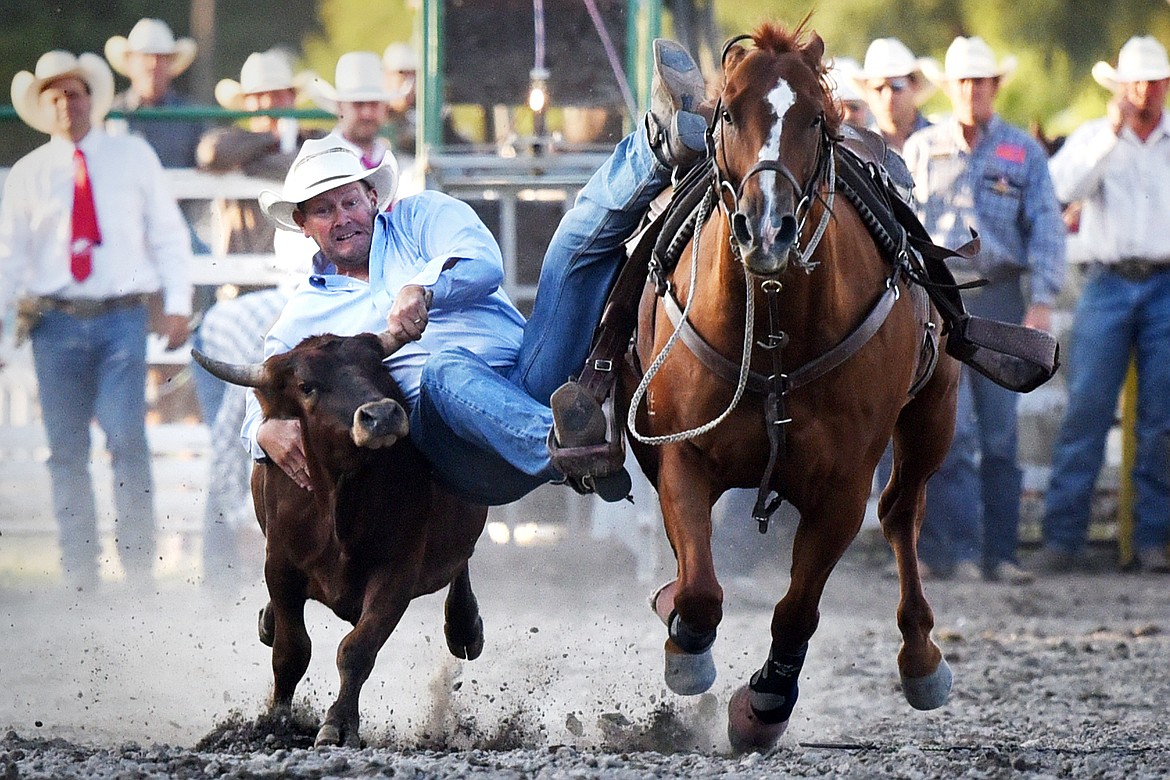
(817, 120)
(726, 117)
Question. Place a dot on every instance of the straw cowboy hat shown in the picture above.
(358, 79)
(1142, 58)
(320, 166)
(889, 58)
(969, 58)
(263, 71)
(53, 65)
(151, 36)
(400, 57)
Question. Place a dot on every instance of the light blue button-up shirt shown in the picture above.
(431, 240)
(1002, 189)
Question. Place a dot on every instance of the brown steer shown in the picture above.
(373, 533)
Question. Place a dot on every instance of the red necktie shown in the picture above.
(86, 233)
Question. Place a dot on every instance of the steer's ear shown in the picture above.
(246, 374)
(390, 345)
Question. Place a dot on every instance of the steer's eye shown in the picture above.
(307, 388)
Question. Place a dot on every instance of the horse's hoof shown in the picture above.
(688, 674)
(327, 736)
(662, 602)
(467, 649)
(745, 730)
(931, 691)
(266, 625)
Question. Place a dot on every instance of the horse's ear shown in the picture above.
(732, 57)
(814, 51)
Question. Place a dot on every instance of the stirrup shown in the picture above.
(1013, 356)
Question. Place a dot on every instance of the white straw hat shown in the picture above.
(357, 79)
(843, 73)
(400, 56)
(889, 58)
(1142, 58)
(56, 64)
(151, 36)
(320, 166)
(263, 71)
(969, 58)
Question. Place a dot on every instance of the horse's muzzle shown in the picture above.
(764, 251)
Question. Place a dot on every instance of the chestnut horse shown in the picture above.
(776, 281)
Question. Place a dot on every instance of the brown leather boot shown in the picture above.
(676, 130)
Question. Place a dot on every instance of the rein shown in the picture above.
(777, 385)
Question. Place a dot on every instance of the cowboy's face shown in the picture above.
(68, 104)
(341, 221)
(263, 101)
(1147, 97)
(973, 99)
(892, 101)
(150, 74)
(360, 121)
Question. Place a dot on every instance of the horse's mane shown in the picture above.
(775, 37)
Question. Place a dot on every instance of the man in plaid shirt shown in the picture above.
(974, 171)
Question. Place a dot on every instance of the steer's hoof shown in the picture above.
(931, 691)
(745, 730)
(467, 648)
(688, 674)
(266, 625)
(327, 736)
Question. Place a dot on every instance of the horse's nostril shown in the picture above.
(786, 235)
(741, 230)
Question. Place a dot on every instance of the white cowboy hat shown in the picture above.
(400, 57)
(322, 165)
(889, 58)
(843, 74)
(263, 71)
(358, 79)
(151, 36)
(1142, 58)
(53, 65)
(969, 58)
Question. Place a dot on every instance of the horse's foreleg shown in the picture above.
(758, 713)
(692, 605)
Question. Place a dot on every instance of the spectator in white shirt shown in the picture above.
(88, 230)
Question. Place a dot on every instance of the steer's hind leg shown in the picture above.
(291, 649)
(463, 626)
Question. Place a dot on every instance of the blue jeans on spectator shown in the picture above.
(87, 368)
(1114, 318)
(485, 431)
(973, 502)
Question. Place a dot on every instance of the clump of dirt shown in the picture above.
(668, 728)
(237, 735)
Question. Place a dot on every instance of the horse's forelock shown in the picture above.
(779, 39)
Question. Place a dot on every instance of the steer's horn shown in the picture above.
(390, 345)
(246, 374)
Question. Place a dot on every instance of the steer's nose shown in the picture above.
(379, 423)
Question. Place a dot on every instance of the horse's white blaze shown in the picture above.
(781, 98)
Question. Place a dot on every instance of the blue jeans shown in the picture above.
(1114, 318)
(86, 368)
(485, 431)
(973, 502)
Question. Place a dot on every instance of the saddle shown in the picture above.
(1013, 356)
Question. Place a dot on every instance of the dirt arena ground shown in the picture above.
(1064, 678)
